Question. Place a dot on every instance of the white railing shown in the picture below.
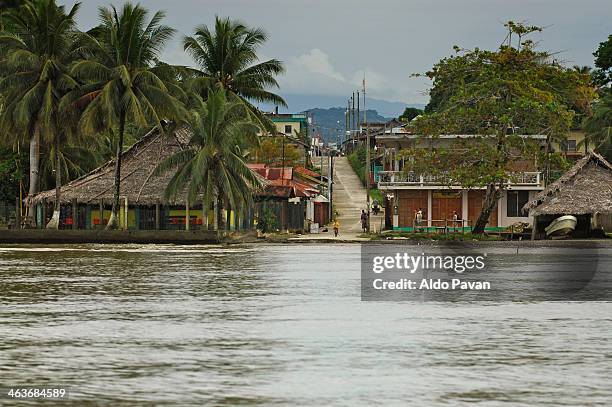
(400, 178)
(526, 178)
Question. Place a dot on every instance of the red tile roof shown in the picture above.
(281, 184)
(306, 171)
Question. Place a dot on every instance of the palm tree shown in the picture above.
(599, 125)
(37, 52)
(227, 58)
(122, 83)
(213, 167)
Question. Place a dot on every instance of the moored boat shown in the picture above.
(562, 226)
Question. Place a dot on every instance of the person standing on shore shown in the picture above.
(419, 218)
(364, 221)
(336, 227)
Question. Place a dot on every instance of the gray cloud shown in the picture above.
(328, 44)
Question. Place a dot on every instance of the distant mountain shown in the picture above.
(331, 123)
(300, 103)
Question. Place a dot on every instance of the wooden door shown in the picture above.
(443, 205)
(410, 201)
(475, 200)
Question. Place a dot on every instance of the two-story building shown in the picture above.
(407, 192)
(294, 129)
(289, 124)
(574, 147)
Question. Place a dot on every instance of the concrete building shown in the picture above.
(407, 192)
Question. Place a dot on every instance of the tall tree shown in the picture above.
(212, 169)
(123, 80)
(599, 126)
(498, 96)
(410, 113)
(227, 58)
(603, 61)
(37, 52)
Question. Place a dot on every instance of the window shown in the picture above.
(288, 129)
(516, 201)
(571, 145)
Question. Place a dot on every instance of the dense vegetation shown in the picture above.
(71, 100)
(500, 95)
(357, 159)
(599, 124)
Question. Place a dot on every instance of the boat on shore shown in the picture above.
(561, 226)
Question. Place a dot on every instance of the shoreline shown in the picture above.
(37, 236)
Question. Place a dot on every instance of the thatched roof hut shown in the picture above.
(585, 189)
(138, 184)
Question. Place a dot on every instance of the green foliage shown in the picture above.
(11, 173)
(497, 95)
(599, 126)
(122, 81)
(377, 195)
(227, 58)
(603, 61)
(212, 167)
(36, 55)
(410, 113)
(91, 94)
(270, 152)
(266, 222)
(4, 4)
(517, 74)
(357, 159)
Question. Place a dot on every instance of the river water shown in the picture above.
(279, 325)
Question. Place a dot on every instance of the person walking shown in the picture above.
(336, 227)
(364, 221)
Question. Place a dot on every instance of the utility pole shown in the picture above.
(353, 113)
(358, 114)
(330, 180)
(346, 118)
(321, 154)
(368, 158)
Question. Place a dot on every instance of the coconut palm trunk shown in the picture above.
(220, 217)
(34, 169)
(114, 218)
(55, 219)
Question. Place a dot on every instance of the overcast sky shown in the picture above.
(326, 45)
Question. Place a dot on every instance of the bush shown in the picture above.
(266, 222)
(357, 159)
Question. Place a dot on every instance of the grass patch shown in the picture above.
(357, 159)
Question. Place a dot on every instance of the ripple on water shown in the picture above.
(279, 325)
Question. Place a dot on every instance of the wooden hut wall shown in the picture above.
(605, 222)
(287, 215)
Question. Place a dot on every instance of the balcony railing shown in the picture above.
(400, 178)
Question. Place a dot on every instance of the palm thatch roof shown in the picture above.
(585, 189)
(138, 184)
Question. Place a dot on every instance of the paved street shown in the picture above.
(349, 198)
